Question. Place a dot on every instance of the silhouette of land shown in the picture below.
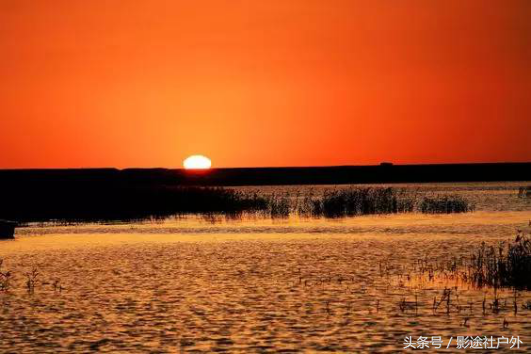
(383, 173)
(112, 194)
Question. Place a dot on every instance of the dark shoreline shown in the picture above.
(385, 173)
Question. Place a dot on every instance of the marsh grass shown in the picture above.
(5, 278)
(503, 269)
(130, 203)
(369, 201)
(357, 201)
(524, 192)
(279, 206)
(31, 279)
(445, 300)
(444, 205)
(507, 265)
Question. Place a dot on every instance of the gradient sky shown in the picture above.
(263, 82)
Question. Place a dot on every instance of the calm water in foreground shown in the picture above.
(261, 285)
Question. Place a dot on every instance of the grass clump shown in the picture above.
(32, 279)
(524, 192)
(310, 206)
(5, 278)
(357, 201)
(279, 206)
(444, 205)
(508, 265)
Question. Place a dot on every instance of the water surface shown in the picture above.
(259, 285)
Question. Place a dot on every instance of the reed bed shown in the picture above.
(444, 205)
(508, 265)
(279, 206)
(130, 203)
(505, 265)
(5, 277)
(357, 201)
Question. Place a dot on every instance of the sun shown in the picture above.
(197, 162)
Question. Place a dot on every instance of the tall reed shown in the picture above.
(507, 265)
(279, 206)
(357, 201)
(5, 277)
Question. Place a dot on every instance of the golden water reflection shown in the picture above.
(252, 285)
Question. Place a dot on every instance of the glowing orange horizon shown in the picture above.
(263, 83)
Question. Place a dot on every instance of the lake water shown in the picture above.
(252, 284)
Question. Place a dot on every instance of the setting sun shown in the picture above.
(197, 162)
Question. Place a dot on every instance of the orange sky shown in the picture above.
(263, 82)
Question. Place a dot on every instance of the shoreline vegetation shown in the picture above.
(524, 192)
(129, 203)
(505, 265)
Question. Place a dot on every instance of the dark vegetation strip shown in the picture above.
(358, 201)
(508, 265)
(127, 203)
(444, 205)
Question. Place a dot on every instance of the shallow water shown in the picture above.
(259, 285)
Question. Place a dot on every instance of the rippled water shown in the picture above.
(259, 285)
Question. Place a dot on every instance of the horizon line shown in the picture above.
(381, 164)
